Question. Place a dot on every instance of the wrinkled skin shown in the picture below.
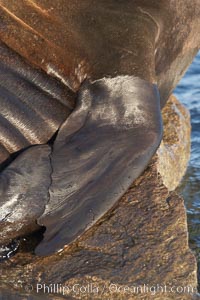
(116, 62)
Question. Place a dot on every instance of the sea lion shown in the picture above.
(119, 60)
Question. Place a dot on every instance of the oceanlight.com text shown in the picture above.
(109, 288)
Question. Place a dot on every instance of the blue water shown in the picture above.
(188, 92)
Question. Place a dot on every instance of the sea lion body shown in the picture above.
(71, 40)
(108, 56)
(33, 106)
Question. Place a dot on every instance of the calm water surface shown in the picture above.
(188, 92)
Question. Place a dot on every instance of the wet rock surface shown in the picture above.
(139, 250)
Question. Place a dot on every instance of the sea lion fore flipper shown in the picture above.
(24, 186)
(102, 147)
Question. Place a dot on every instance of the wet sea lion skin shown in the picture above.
(33, 105)
(22, 198)
(100, 50)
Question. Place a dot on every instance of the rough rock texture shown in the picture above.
(174, 151)
(139, 250)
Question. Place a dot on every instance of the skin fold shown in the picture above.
(89, 78)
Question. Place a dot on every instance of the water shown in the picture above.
(188, 92)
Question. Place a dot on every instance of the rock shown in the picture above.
(174, 151)
(139, 250)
